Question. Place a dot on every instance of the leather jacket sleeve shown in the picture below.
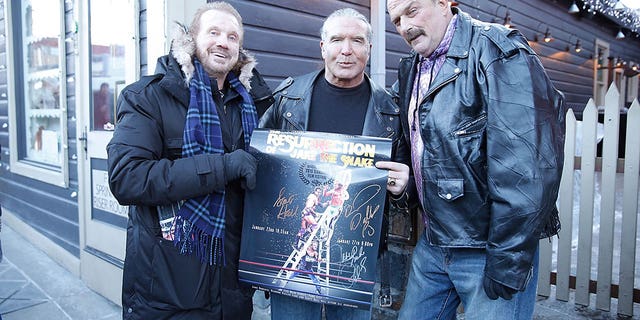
(272, 117)
(524, 160)
(269, 118)
(402, 154)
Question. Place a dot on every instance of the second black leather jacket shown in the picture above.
(493, 129)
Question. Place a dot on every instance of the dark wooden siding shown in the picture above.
(144, 63)
(571, 72)
(285, 34)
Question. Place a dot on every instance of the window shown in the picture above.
(37, 100)
(114, 57)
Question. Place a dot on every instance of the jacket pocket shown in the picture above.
(450, 189)
(179, 281)
(471, 127)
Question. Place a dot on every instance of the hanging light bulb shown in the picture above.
(578, 47)
(507, 20)
(619, 62)
(620, 35)
(574, 8)
(547, 36)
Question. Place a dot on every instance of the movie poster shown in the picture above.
(312, 224)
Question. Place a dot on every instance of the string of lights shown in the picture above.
(614, 10)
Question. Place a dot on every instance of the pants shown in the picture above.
(442, 278)
(285, 307)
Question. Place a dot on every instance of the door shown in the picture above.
(108, 57)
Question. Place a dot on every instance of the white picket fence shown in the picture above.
(597, 253)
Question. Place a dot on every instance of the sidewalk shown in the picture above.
(34, 287)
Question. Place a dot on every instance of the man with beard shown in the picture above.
(178, 156)
(486, 128)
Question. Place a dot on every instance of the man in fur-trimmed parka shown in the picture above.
(178, 160)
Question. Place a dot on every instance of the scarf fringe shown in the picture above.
(190, 239)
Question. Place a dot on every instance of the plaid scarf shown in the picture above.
(200, 221)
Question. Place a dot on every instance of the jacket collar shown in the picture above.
(300, 89)
(459, 47)
(173, 80)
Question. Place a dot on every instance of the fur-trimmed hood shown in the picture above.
(183, 49)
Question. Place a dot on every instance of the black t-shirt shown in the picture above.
(230, 114)
(338, 110)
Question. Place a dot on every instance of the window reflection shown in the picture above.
(103, 107)
(108, 58)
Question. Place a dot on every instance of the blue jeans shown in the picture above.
(285, 307)
(442, 278)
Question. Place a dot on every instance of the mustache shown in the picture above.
(414, 33)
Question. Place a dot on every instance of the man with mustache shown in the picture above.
(178, 157)
(341, 98)
(486, 128)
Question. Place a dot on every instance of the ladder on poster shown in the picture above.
(322, 233)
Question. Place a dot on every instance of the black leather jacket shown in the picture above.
(493, 128)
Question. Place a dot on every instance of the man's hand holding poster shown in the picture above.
(312, 225)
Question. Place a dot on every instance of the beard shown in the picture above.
(216, 66)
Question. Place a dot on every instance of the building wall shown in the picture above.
(285, 34)
(53, 211)
(571, 72)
